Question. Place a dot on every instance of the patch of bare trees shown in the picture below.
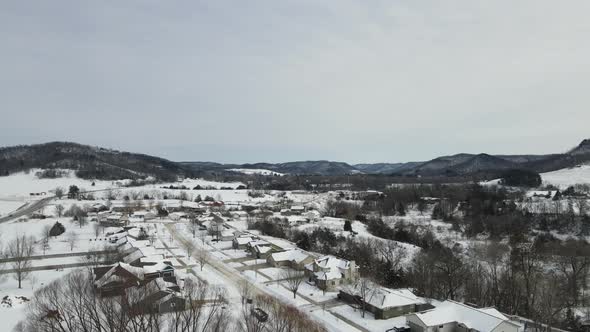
(69, 304)
(281, 317)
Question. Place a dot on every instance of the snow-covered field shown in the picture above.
(7, 206)
(252, 171)
(566, 177)
(20, 185)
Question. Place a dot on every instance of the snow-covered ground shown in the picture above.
(10, 316)
(253, 171)
(21, 185)
(566, 177)
(10, 205)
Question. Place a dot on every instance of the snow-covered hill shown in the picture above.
(251, 171)
(566, 177)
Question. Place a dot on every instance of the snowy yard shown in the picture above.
(369, 322)
(10, 316)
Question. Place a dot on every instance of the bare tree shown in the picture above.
(72, 239)
(59, 210)
(20, 249)
(45, 235)
(193, 226)
(81, 221)
(97, 227)
(246, 289)
(59, 192)
(189, 247)
(581, 204)
(203, 257)
(293, 280)
(362, 289)
(393, 252)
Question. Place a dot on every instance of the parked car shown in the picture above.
(260, 314)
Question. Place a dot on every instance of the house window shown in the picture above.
(441, 326)
(168, 274)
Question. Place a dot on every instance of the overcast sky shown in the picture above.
(247, 81)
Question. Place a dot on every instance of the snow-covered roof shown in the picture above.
(109, 276)
(263, 249)
(293, 255)
(160, 266)
(482, 320)
(243, 240)
(152, 258)
(297, 208)
(258, 243)
(386, 298)
(331, 267)
(133, 256)
(326, 262)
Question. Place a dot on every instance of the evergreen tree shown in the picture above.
(347, 226)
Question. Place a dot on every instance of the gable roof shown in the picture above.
(483, 320)
(117, 273)
(386, 298)
(292, 255)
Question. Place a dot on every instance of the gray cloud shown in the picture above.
(275, 81)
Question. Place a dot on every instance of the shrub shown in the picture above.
(57, 229)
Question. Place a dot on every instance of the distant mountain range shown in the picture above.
(462, 164)
(99, 163)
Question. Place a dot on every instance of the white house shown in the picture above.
(328, 272)
(451, 316)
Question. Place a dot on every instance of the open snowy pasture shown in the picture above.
(86, 236)
(566, 177)
(22, 184)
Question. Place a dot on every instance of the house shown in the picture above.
(240, 241)
(134, 255)
(451, 316)
(161, 269)
(97, 207)
(138, 233)
(239, 215)
(176, 216)
(114, 279)
(293, 258)
(158, 297)
(261, 249)
(156, 285)
(226, 235)
(111, 219)
(385, 303)
(297, 210)
(186, 207)
(142, 216)
(328, 272)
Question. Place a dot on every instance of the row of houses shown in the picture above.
(423, 316)
(144, 271)
(327, 272)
